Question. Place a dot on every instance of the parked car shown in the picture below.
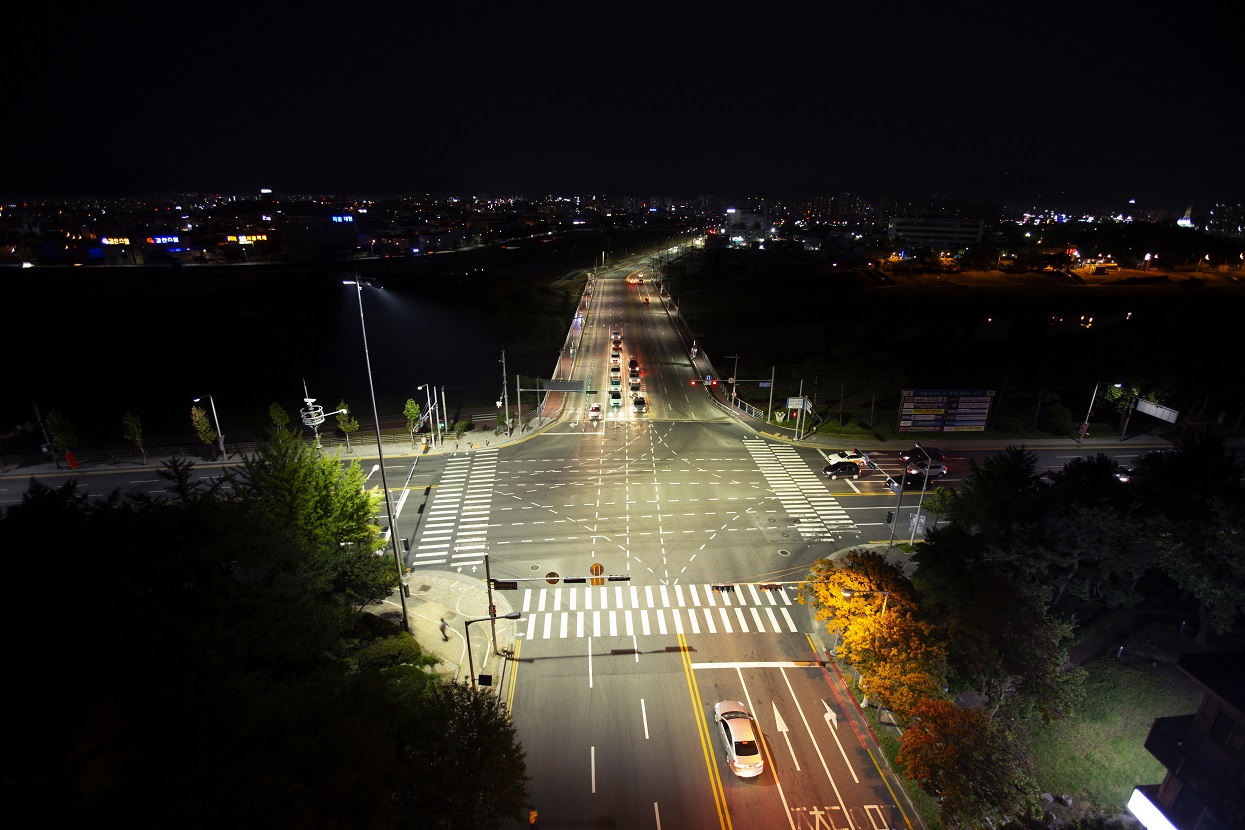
(914, 454)
(739, 733)
(841, 469)
(855, 456)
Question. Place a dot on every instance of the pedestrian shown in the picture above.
(445, 637)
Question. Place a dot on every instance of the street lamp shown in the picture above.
(924, 483)
(432, 418)
(220, 436)
(513, 615)
(1092, 398)
(313, 414)
(384, 482)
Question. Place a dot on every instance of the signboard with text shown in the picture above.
(945, 410)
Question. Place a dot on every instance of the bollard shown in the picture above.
(1119, 652)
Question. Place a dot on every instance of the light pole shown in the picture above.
(384, 482)
(734, 374)
(924, 482)
(1092, 398)
(513, 615)
(432, 421)
(313, 414)
(220, 436)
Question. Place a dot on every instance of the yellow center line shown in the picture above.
(514, 676)
(706, 739)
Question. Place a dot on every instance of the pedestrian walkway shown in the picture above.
(653, 610)
(817, 514)
(455, 529)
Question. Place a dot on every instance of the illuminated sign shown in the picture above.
(343, 218)
(945, 410)
(162, 240)
(242, 239)
(114, 240)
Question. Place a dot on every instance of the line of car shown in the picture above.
(919, 464)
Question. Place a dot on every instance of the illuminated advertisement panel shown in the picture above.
(945, 410)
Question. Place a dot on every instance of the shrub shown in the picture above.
(1056, 419)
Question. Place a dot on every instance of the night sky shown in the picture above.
(1044, 102)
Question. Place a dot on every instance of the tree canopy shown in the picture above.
(217, 673)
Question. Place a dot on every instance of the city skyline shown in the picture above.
(1062, 105)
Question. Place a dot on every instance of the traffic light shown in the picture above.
(770, 586)
(713, 382)
(694, 381)
(617, 578)
(725, 589)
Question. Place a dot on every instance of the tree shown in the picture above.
(325, 503)
(970, 762)
(883, 635)
(1001, 495)
(346, 422)
(132, 427)
(461, 763)
(60, 431)
(1208, 561)
(411, 412)
(203, 426)
(280, 418)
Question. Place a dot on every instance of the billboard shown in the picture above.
(945, 410)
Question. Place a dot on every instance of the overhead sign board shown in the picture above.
(1160, 412)
(945, 410)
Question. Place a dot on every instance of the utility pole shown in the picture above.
(505, 390)
(769, 413)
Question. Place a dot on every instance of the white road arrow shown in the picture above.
(832, 718)
(782, 727)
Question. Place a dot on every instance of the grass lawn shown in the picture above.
(1097, 754)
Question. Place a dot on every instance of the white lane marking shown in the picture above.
(644, 717)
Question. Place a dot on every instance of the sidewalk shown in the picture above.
(455, 598)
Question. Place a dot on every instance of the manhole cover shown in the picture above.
(784, 553)
(785, 535)
(423, 589)
(535, 567)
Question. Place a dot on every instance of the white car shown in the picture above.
(854, 456)
(594, 412)
(740, 735)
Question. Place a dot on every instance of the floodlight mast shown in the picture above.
(384, 481)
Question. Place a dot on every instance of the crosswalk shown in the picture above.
(634, 611)
(817, 514)
(456, 524)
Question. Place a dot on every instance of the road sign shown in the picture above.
(764, 384)
(894, 485)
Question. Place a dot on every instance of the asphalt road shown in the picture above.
(612, 685)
